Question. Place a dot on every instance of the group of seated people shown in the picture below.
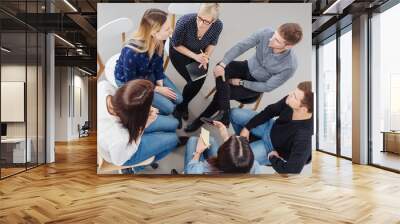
(138, 119)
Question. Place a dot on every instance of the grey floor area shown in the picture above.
(175, 160)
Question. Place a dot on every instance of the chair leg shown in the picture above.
(257, 102)
(123, 38)
(101, 65)
(166, 63)
(210, 93)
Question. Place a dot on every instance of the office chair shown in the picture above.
(104, 166)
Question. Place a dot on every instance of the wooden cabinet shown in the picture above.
(391, 142)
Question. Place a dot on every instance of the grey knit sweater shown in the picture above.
(269, 69)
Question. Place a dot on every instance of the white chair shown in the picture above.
(166, 54)
(109, 69)
(111, 32)
(106, 167)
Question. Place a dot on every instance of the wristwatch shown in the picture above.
(219, 63)
(241, 83)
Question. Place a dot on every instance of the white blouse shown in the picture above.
(112, 137)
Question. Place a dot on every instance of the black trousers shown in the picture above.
(226, 91)
(191, 88)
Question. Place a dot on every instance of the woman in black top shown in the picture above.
(193, 40)
(285, 142)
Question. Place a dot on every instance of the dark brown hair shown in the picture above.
(132, 103)
(308, 100)
(291, 32)
(234, 156)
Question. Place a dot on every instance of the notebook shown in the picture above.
(195, 72)
(205, 135)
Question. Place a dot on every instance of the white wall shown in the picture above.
(33, 126)
(67, 80)
(12, 73)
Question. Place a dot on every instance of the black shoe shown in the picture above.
(196, 124)
(128, 171)
(183, 140)
(222, 116)
(154, 165)
(174, 172)
(178, 116)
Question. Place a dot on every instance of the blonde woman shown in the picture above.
(142, 58)
(194, 39)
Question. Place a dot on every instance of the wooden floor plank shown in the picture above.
(70, 191)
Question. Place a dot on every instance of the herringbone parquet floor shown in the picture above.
(70, 191)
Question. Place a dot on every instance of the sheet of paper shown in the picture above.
(205, 135)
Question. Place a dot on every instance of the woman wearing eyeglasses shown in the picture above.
(193, 40)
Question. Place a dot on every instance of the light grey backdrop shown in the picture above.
(240, 20)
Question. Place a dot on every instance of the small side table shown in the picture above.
(391, 141)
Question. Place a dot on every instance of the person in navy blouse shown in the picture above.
(142, 58)
(194, 39)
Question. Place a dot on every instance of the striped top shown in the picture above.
(186, 34)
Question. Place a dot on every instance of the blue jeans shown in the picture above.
(261, 148)
(212, 151)
(158, 140)
(164, 104)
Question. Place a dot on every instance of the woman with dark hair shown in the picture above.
(233, 156)
(129, 129)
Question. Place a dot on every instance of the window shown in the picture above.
(385, 89)
(346, 93)
(327, 96)
(22, 65)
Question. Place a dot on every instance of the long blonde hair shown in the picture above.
(151, 22)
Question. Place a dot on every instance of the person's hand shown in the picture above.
(235, 82)
(201, 58)
(219, 71)
(153, 114)
(167, 92)
(206, 57)
(222, 129)
(204, 66)
(156, 110)
(201, 146)
(273, 153)
(245, 133)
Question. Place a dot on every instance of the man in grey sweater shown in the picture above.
(272, 65)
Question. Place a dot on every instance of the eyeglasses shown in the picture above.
(204, 21)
